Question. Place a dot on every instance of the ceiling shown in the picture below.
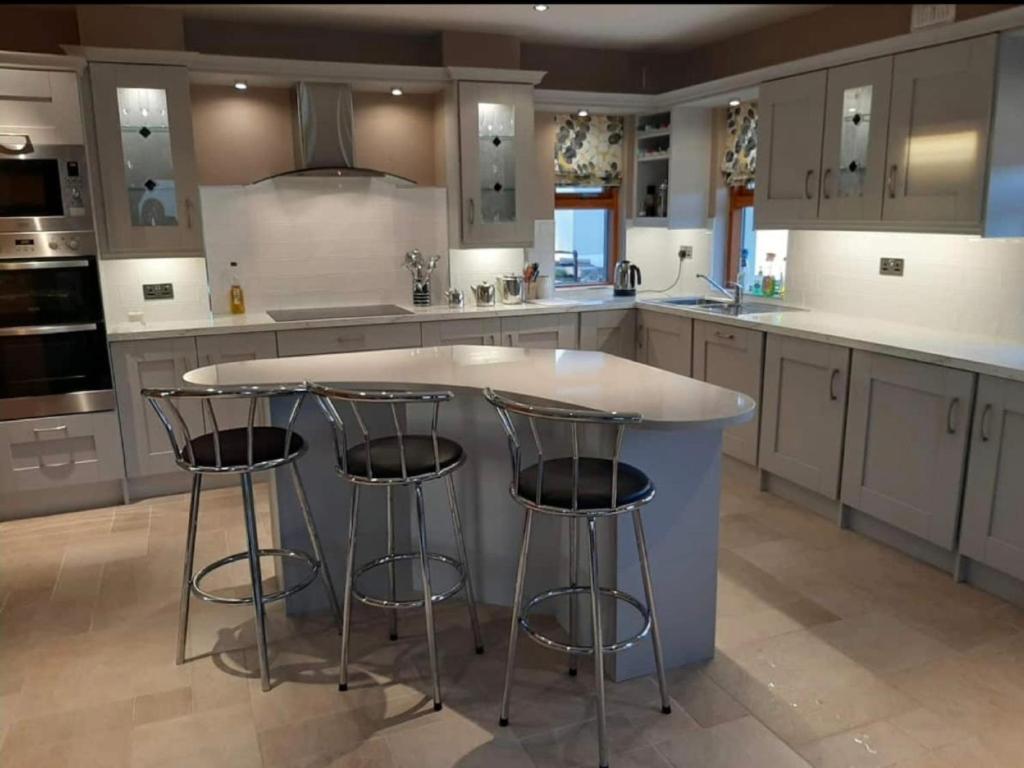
(620, 26)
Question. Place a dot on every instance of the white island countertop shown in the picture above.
(592, 380)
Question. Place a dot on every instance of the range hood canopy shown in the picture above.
(326, 142)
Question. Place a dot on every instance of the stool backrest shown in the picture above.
(359, 401)
(166, 404)
(532, 413)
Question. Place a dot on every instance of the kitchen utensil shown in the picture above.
(512, 288)
(627, 278)
(455, 297)
(483, 294)
(420, 269)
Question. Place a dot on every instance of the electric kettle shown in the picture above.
(627, 278)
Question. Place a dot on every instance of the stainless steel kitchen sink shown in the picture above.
(331, 313)
(690, 301)
(747, 308)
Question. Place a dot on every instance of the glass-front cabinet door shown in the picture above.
(147, 159)
(497, 158)
(853, 146)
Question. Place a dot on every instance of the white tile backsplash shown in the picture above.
(655, 251)
(122, 281)
(954, 282)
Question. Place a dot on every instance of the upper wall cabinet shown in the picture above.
(147, 159)
(496, 159)
(789, 148)
(42, 105)
(908, 143)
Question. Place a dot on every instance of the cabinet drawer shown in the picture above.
(559, 331)
(471, 331)
(59, 451)
(358, 338)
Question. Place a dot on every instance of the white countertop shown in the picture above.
(981, 354)
(592, 380)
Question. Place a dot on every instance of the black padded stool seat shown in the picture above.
(419, 456)
(267, 445)
(595, 487)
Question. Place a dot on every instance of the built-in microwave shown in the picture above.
(42, 188)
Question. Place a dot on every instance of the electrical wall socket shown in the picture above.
(152, 291)
(889, 266)
(685, 251)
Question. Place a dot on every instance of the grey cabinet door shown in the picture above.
(731, 357)
(151, 363)
(789, 149)
(442, 333)
(906, 442)
(992, 531)
(938, 133)
(612, 331)
(559, 331)
(803, 412)
(214, 350)
(665, 341)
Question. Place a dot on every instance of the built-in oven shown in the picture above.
(42, 188)
(53, 342)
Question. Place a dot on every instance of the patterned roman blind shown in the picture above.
(739, 159)
(588, 150)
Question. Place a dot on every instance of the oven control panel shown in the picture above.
(42, 245)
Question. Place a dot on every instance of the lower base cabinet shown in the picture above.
(441, 333)
(665, 341)
(557, 331)
(609, 331)
(354, 338)
(992, 531)
(732, 357)
(906, 444)
(803, 412)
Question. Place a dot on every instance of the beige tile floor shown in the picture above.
(833, 651)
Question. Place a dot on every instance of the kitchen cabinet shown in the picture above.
(151, 363)
(612, 331)
(803, 412)
(353, 338)
(790, 124)
(665, 341)
(906, 440)
(43, 104)
(731, 357)
(557, 331)
(939, 132)
(853, 148)
(146, 158)
(469, 331)
(992, 528)
(59, 452)
(496, 164)
(214, 350)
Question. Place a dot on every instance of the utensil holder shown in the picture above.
(421, 293)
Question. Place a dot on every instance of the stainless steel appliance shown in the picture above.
(627, 278)
(53, 341)
(511, 288)
(43, 189)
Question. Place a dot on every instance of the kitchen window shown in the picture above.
(586, 235)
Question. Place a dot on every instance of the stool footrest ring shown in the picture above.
(295, 554)
(585, 650)
(380, 602)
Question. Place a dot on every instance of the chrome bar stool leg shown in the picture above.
(190, 554)
(517, 605)
(428, 603)
(595, 613)
(573, 579)
(645, 570)
(391, 566)
(350, 565)
(256, 574)
(314, 539)
(460, 544)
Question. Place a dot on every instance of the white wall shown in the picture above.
(953, 282)
(655, 250)
(122, 281)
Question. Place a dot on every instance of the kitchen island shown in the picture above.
(678, 445)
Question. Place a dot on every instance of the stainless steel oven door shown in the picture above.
(42, 188)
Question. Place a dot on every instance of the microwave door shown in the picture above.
(30, 188)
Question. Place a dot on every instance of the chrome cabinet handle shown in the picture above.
(832, 395)
(953, 415)
(807, 183)
(42, 462)
(60, 428)
(471, 204)
(824, 183)
(891, 181)
(985, 414)
(726, 336)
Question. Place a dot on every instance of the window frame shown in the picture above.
(606, 200)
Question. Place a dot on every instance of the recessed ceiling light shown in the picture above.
(541, 7)
(582, 113)
(241, 85)
(396, 91)
(734, 102)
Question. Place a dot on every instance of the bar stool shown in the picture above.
(576, 488)
(390, 461)
(242, 451)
